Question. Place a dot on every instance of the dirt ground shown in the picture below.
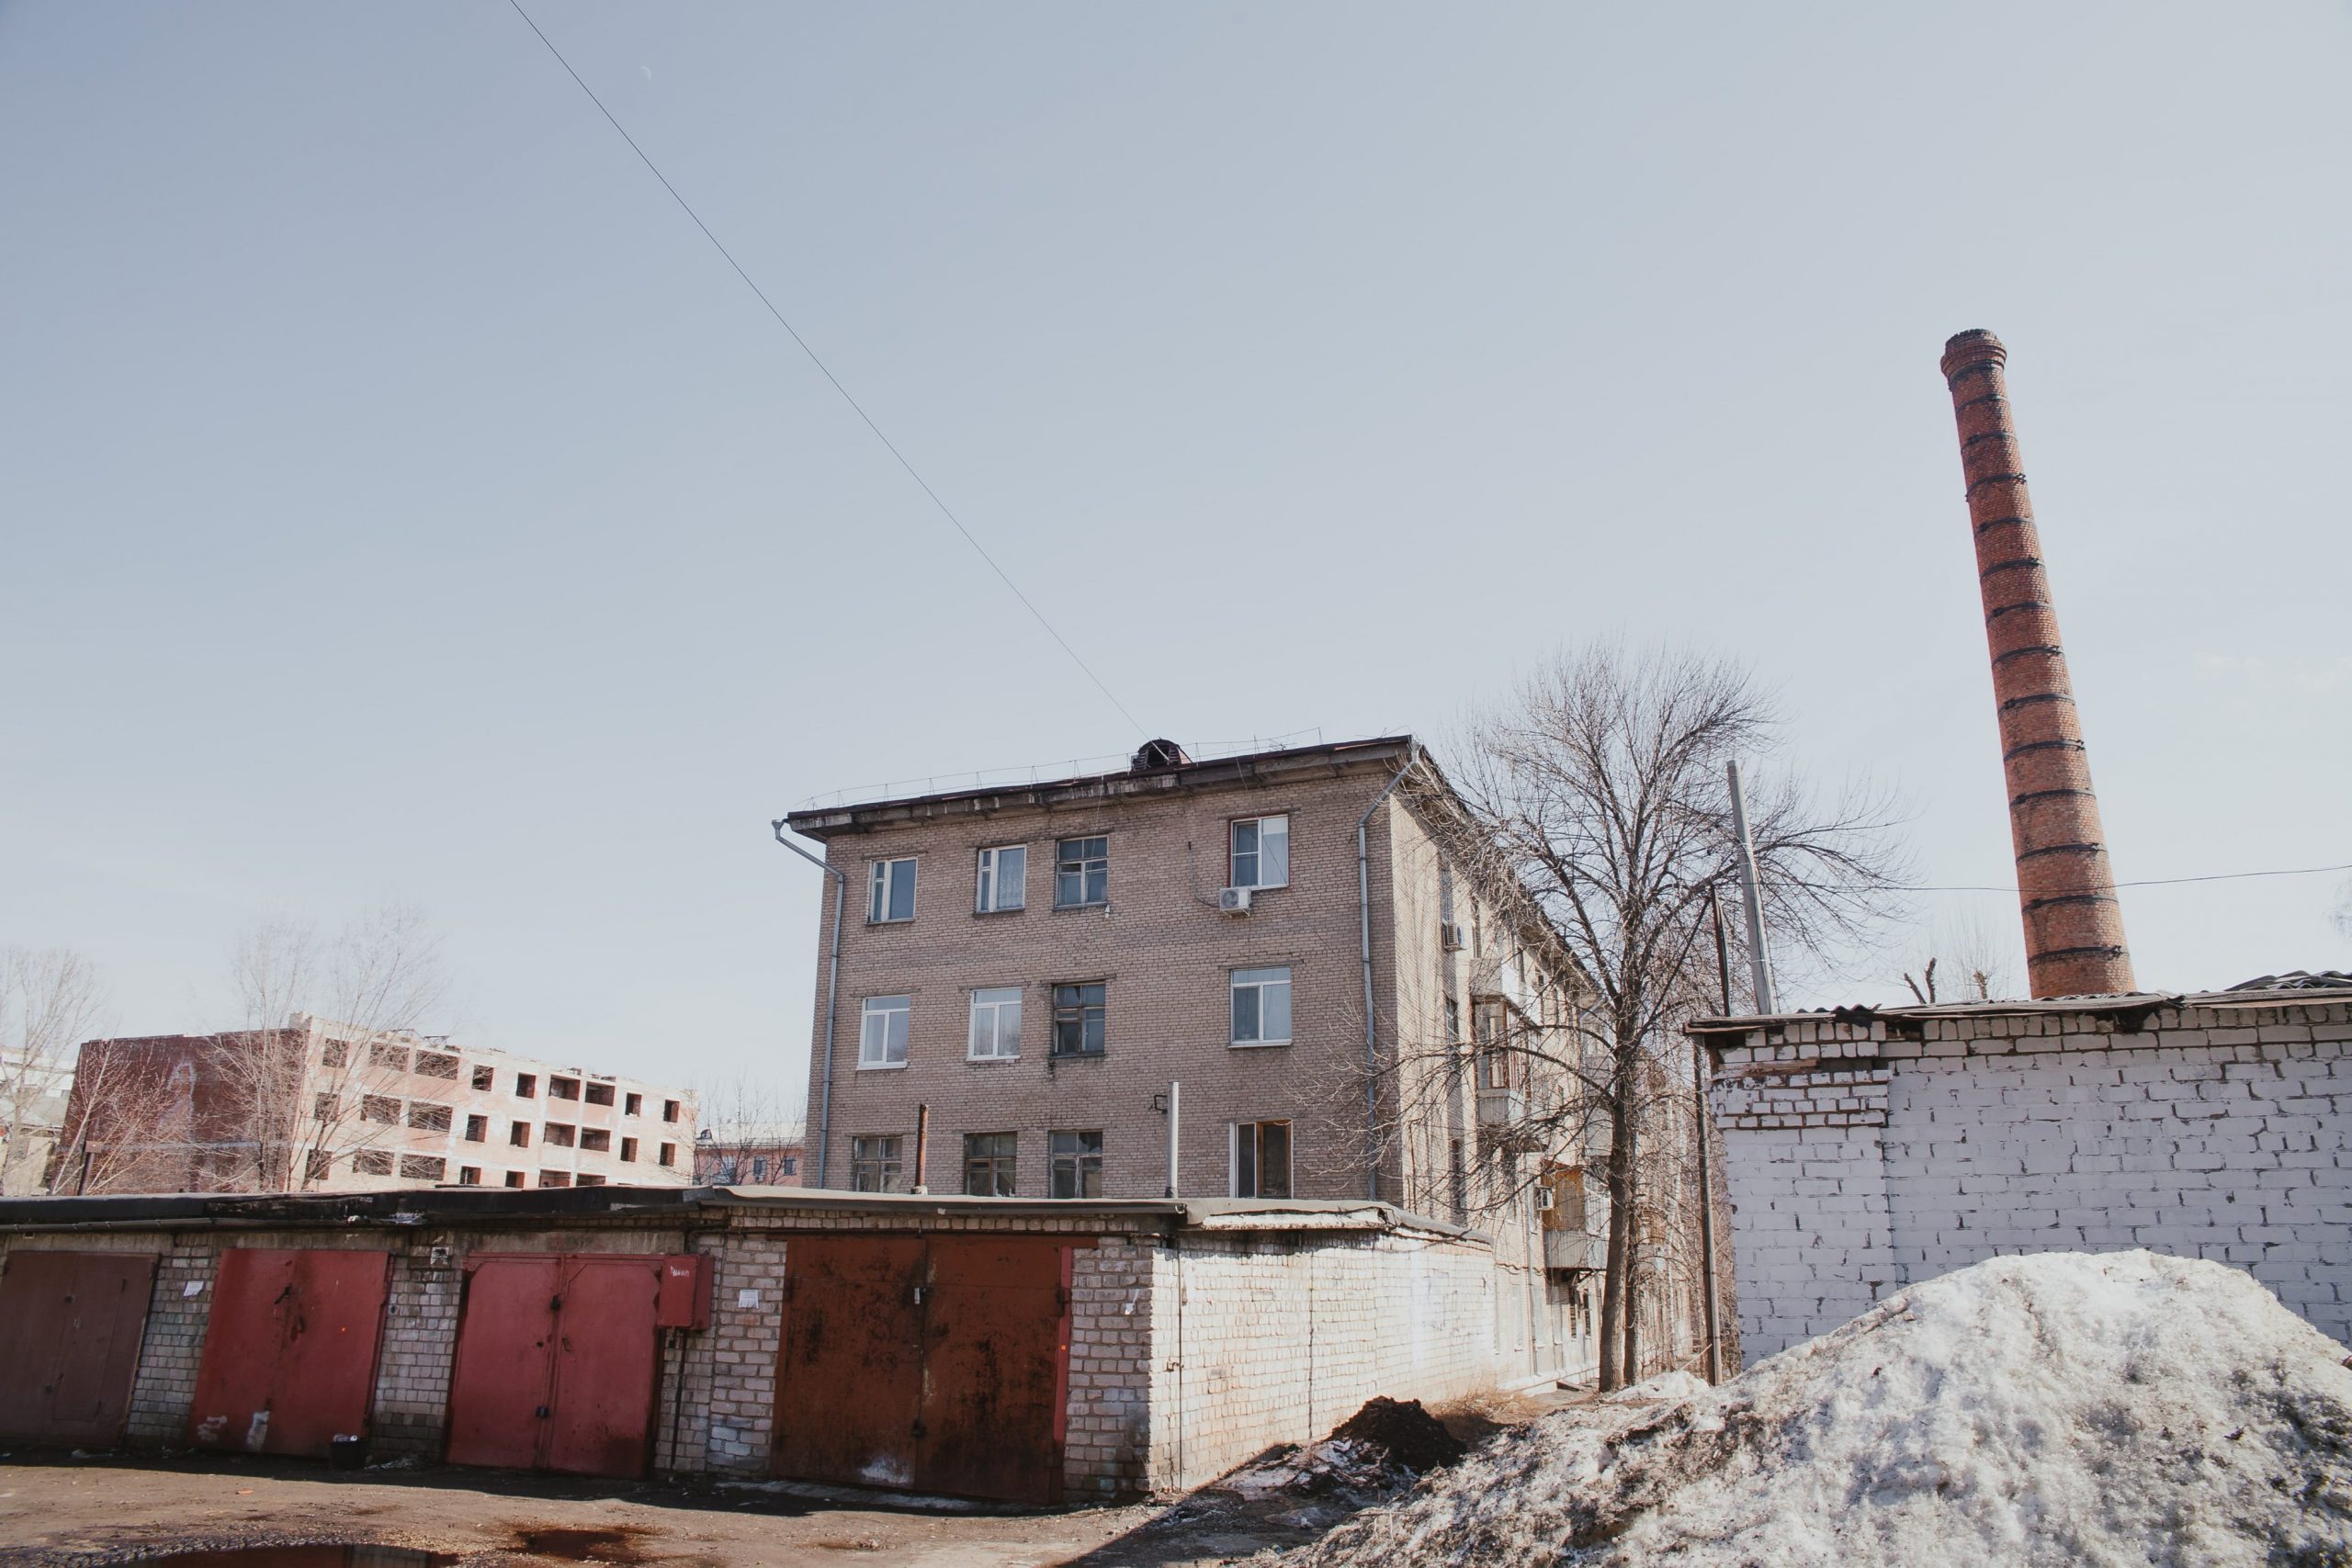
(58, 1510)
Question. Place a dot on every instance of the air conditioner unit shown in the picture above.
(1233, 900)
(1450, 933)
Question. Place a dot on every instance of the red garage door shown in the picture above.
(289, 1354)
(70, 1326)
(934, 1364)
(558, 1363)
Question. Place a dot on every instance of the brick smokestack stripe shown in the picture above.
(2074, 927)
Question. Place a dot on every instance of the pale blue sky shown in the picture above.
(403, 500)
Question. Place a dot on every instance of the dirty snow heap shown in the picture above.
(2112, 1410)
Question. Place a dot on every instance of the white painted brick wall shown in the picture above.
(1858, 1163)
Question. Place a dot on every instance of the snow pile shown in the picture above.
(2116, 1410)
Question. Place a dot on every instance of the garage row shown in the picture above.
(978, 1348)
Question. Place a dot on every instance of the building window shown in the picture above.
(787, 1165)
(476, 1129)
(381, 1108)
(893, 894)
(590, 1181)
(882, 1035)
(318, 1164)
(633, 1105)
(395, 1057)
(1261, 1160)
(1004, 877)
(555, 1178)
(526, 1086)
(519, 1134)
(1452, 1021)
(423, 1167)
(326, 1107)
(333, 1053)
(470, 1176)
(759, 1169)
(433, 1064)
(669, 1110)
(485, 1077)
(600, 1094)
(629, 1150)
(513, 1179)
(558, 1135)
(372, 1162)
(1082, 873)
(1078, 1013)
(987, 1163)
(563, 1089)
(595, 1140)
(996, 1024)
(1077, 1163)
(1262, 852)
(427, 1117)
(1494, 1060)
(669, 1154)
(1262, 1007)
(874, 1164)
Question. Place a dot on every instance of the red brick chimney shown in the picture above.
(2073, 928)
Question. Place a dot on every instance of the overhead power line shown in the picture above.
(823, 369)
(2156, 881)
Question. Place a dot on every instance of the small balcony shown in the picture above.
(1575, 1250)
(1503, 1120)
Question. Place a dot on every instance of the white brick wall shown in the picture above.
(1858, 1160)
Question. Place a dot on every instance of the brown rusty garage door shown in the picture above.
(558, 1363)
(933, 1364)
(70, 1326)
(289, 1354)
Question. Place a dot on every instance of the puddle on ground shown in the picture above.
(303, 1557)
(578, 1545)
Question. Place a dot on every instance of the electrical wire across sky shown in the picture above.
(823, 369)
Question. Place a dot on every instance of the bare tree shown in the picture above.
(50, 1003)
(130, 1126)
(330, 1026)
(748, 1126)
(1963, 962)
(1599, 788)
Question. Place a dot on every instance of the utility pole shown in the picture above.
(1175, 1115)
(1706, 1182)
(1760, 961)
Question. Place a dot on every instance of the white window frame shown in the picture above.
(873, 1053)
(1258, 1157)
(1233, 850)
(987, 887)
(879, 883)
(1234, 984)
(990, 1002)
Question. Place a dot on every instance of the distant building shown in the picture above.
(32, 1113)
(735, 1156)
(320, 1107)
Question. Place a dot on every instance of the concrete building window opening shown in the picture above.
(628, 1151)
(633, 1105)
(476, 1129)
(380, 1107)
(989, 1163)
(372, 1162)
(1260, 852)
(669, 1110)
(600, 1094)
(526, 1086)
(333, 1053)
(996, 1024)
(874, 1162)
(1077, 1164)
(563, 1089)
(423, 1167)
(555, 1178)
(595, 1140)
(1262, 1007)
(1003, 882)
(558, 1136)
(326, 1107)
(485, 1078)
(429, 1116)
(519, 1135)
(470, 1176)
(513, 1179)
(318, 1165)
(394, 1057)
(882, 1032)
(437, 1065)
(1082, 1014)
(1082, 873)
(669, 1155)
(891, 899)
(1261, 1160)
(589, 1180)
